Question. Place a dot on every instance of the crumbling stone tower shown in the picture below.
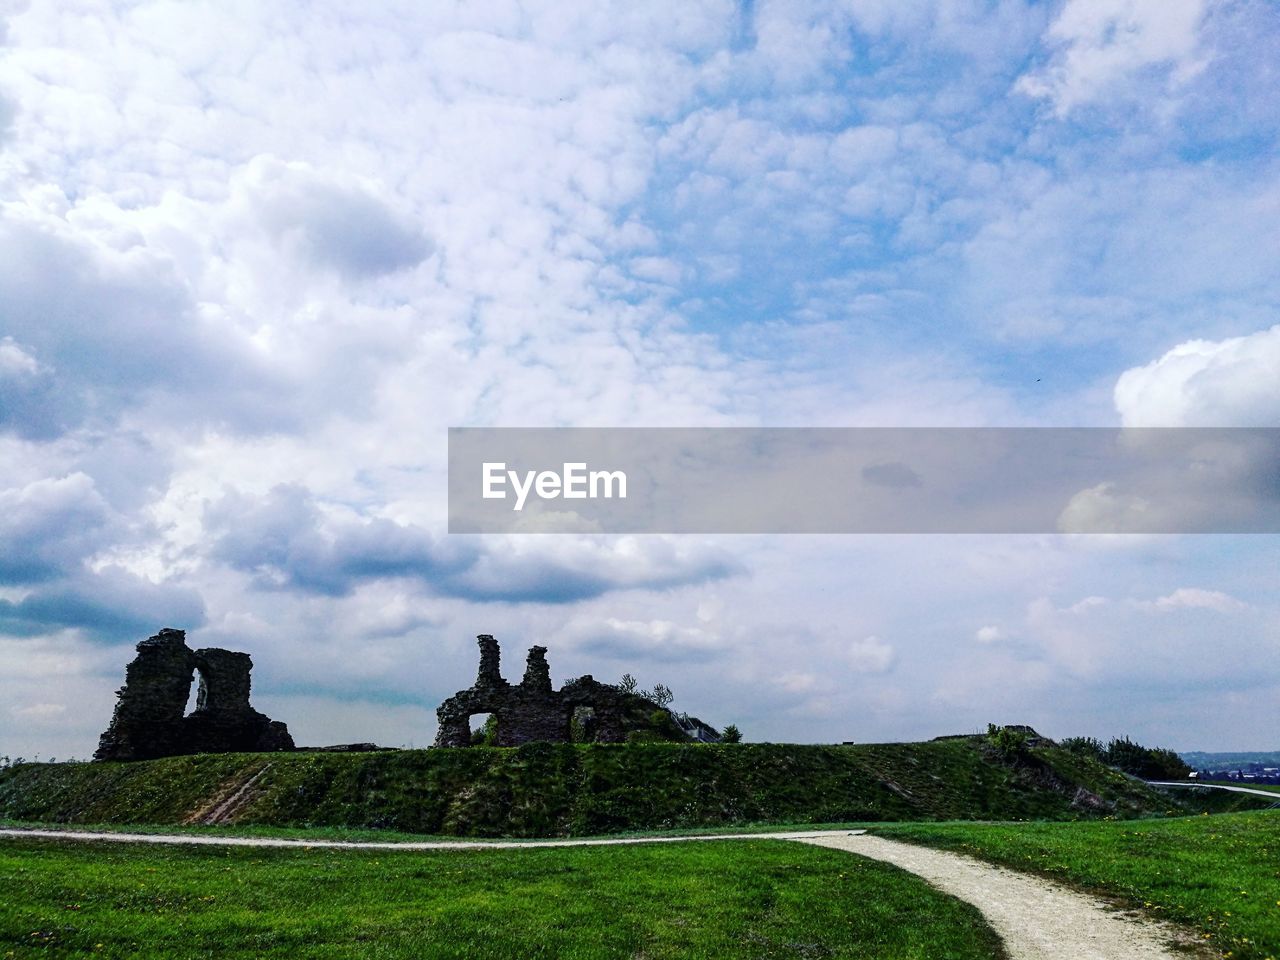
(148, 721)
(528, 711)
(534, 710)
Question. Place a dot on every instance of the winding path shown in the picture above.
(206, 840)
(1271, 794)
(1036, 919)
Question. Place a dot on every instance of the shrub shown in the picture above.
(1086, 747)
(664, 725)
(1008, 742)
(1146, 762)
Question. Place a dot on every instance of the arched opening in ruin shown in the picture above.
(582, 725)
(484, 729)
(193, 694)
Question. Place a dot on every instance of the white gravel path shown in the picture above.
(1270, 794)
(1036, 919)
(211, 840)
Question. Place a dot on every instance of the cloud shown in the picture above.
(287, 543)
(1195, 598)
(663, 641)
(1098, 45)
(92, 331)
(1206, 383)
(50, 526)
(871, 655)
(333, 224)
(895, 476)
(570, 568)
(1205, 638)
(111, 605)
(7, 112)
(16, 362)
(1105, 509)
(989, 634)
(39, 711)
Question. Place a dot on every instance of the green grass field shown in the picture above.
(1218, 875)
(725, 899)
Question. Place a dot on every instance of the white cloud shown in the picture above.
(39, 711)
(1206, 383)
(1102, 509)
(52, 526)
(1100, 44)
(1107, 641)
(14, 361)
(871, 655)
(642, 640)
(796, 682)
(1194, 598)
(339, 225)
(989, 634)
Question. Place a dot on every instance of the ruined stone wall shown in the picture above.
(533, 709)
(148, 721)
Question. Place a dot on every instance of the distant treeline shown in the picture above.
(1149, 763)
(1231, 761)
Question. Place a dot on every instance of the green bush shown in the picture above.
(1007, 741)
(1149, 763)
(1085, 747)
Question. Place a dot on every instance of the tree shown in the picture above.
(661, 695)
(486, 735)
(731, 734)
(628, 683)
(1145, 762)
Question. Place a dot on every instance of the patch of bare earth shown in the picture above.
(233, 797)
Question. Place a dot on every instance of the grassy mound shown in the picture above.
(545, 789)
(1219, 875)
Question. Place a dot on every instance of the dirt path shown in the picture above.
(237, 797)
(1037, 919)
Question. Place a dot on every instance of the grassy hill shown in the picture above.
(545, 789)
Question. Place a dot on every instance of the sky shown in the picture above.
(256, 259)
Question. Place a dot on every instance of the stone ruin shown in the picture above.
(532, 710)
(148, 721)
